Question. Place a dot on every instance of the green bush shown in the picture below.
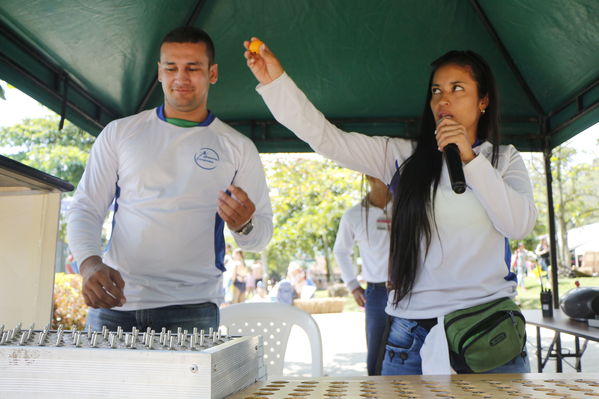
(70, 309)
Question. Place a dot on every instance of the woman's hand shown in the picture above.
(263, 64)
(450, 131)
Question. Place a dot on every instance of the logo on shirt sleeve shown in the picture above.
(206, 158)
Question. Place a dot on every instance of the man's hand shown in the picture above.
(263, 64)
(235, 209)
(102, 285)
(358, 294)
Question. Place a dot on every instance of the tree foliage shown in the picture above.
(38, 143)
(575, 195)
(309, 195)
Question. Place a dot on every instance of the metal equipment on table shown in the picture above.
(182, 364)
(581, 303)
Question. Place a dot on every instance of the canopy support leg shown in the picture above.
(63, 106)
(551, 216)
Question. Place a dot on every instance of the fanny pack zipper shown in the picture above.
(508, 314)
(460, 317)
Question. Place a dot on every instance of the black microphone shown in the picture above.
(454, 166)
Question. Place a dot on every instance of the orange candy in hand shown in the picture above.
(254, 46)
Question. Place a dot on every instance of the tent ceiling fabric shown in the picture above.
(364, 64)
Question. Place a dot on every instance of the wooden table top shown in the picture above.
(464, 386)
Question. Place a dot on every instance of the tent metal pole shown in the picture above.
(551, 215)
(507, 56)
(196, 12)
(581, 111)
(33, 79)
(58, 73)
(576, 99)
(65, 100)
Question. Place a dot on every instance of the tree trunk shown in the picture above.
(325, 246)
(564, 253)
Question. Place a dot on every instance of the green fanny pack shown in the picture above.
(485, 336)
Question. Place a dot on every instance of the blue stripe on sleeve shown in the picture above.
(511, 276)
(219, 243)
(115, 206)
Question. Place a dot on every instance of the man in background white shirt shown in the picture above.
(368, 224)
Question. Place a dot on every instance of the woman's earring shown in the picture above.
(482, 111)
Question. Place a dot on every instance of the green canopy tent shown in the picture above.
(364, 64)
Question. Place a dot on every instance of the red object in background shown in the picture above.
(68, 267)
(577, 283)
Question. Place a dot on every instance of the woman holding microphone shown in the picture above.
(448, 250)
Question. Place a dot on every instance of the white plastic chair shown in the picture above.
(273, 321)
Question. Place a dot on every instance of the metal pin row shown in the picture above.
(182, 339)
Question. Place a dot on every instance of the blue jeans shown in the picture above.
(200, 315)
(402, 352)
(376, 318)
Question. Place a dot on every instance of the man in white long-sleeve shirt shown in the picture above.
(368, 224)
(176, 175)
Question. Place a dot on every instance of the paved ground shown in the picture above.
(344, 347)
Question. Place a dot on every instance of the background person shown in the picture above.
(447, 251)
(543, 253)
(303, 286)
(520, 260)
(239, 275)
(71, 265)
(283, 292)
(177, 174)
(258, 271)
(227, 282)
(260, 294)
(368, 224)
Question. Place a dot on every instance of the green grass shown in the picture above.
(530, 298)
(527, 299)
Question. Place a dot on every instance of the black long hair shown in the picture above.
(413, 204)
